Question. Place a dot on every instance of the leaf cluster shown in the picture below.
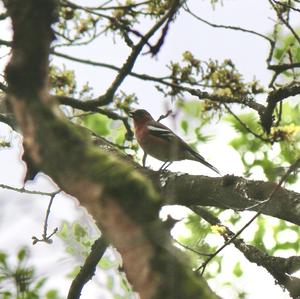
(78, 240)
(255, 152)
(222, 78)
(19, 281)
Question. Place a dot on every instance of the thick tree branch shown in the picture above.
(234, 237)
(229, 192)
(232, 192)
(122, 202)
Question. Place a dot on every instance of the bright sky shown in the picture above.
(24, 214)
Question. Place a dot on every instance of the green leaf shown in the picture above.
(52, 294)
(6, 295)
(105, 263)
(98, 123)
(3, 257)
(249, 119)
(125, 285)
(237, 270)
(119, 132)
(260, 233)
(110, 282)
(79, 231)
(40, 284)
(185, 126)
(192, 108)
(64, 231)
(74, 272)
(22, 254)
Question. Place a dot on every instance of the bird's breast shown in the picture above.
(158, 147)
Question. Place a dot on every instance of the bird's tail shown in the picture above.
(209, 165)
(197, 157)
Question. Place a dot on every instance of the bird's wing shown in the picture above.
(161, 131)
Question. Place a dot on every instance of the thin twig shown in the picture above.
(23, 190)
(191, 249)
(186, 8)
(196, 92)
(102, 7)
(245, 126)
(164, 115)
(286, 23)
(136, 50)
(45, 238)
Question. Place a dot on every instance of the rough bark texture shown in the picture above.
(231, 192)
(228, 192)
(122, 202)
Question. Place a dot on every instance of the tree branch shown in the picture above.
(88, 269)
(228, 192)
(236, 28)
(121, 201)
(259, 212)
(280, 268)
(136, 50)
(279, 68)
(285, 22)
(273, 98)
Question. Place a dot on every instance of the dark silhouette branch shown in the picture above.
(274, 97)
(236, 28)
(279, 68)
(5, 43)
(87, 271)
(45, 237)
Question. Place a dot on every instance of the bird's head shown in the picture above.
(140, 115)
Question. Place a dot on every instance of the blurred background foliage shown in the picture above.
(19, 278)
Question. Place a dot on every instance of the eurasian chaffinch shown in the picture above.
(160, 142)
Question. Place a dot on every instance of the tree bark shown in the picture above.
(122, 201)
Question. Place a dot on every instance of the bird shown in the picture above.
(162, 143)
